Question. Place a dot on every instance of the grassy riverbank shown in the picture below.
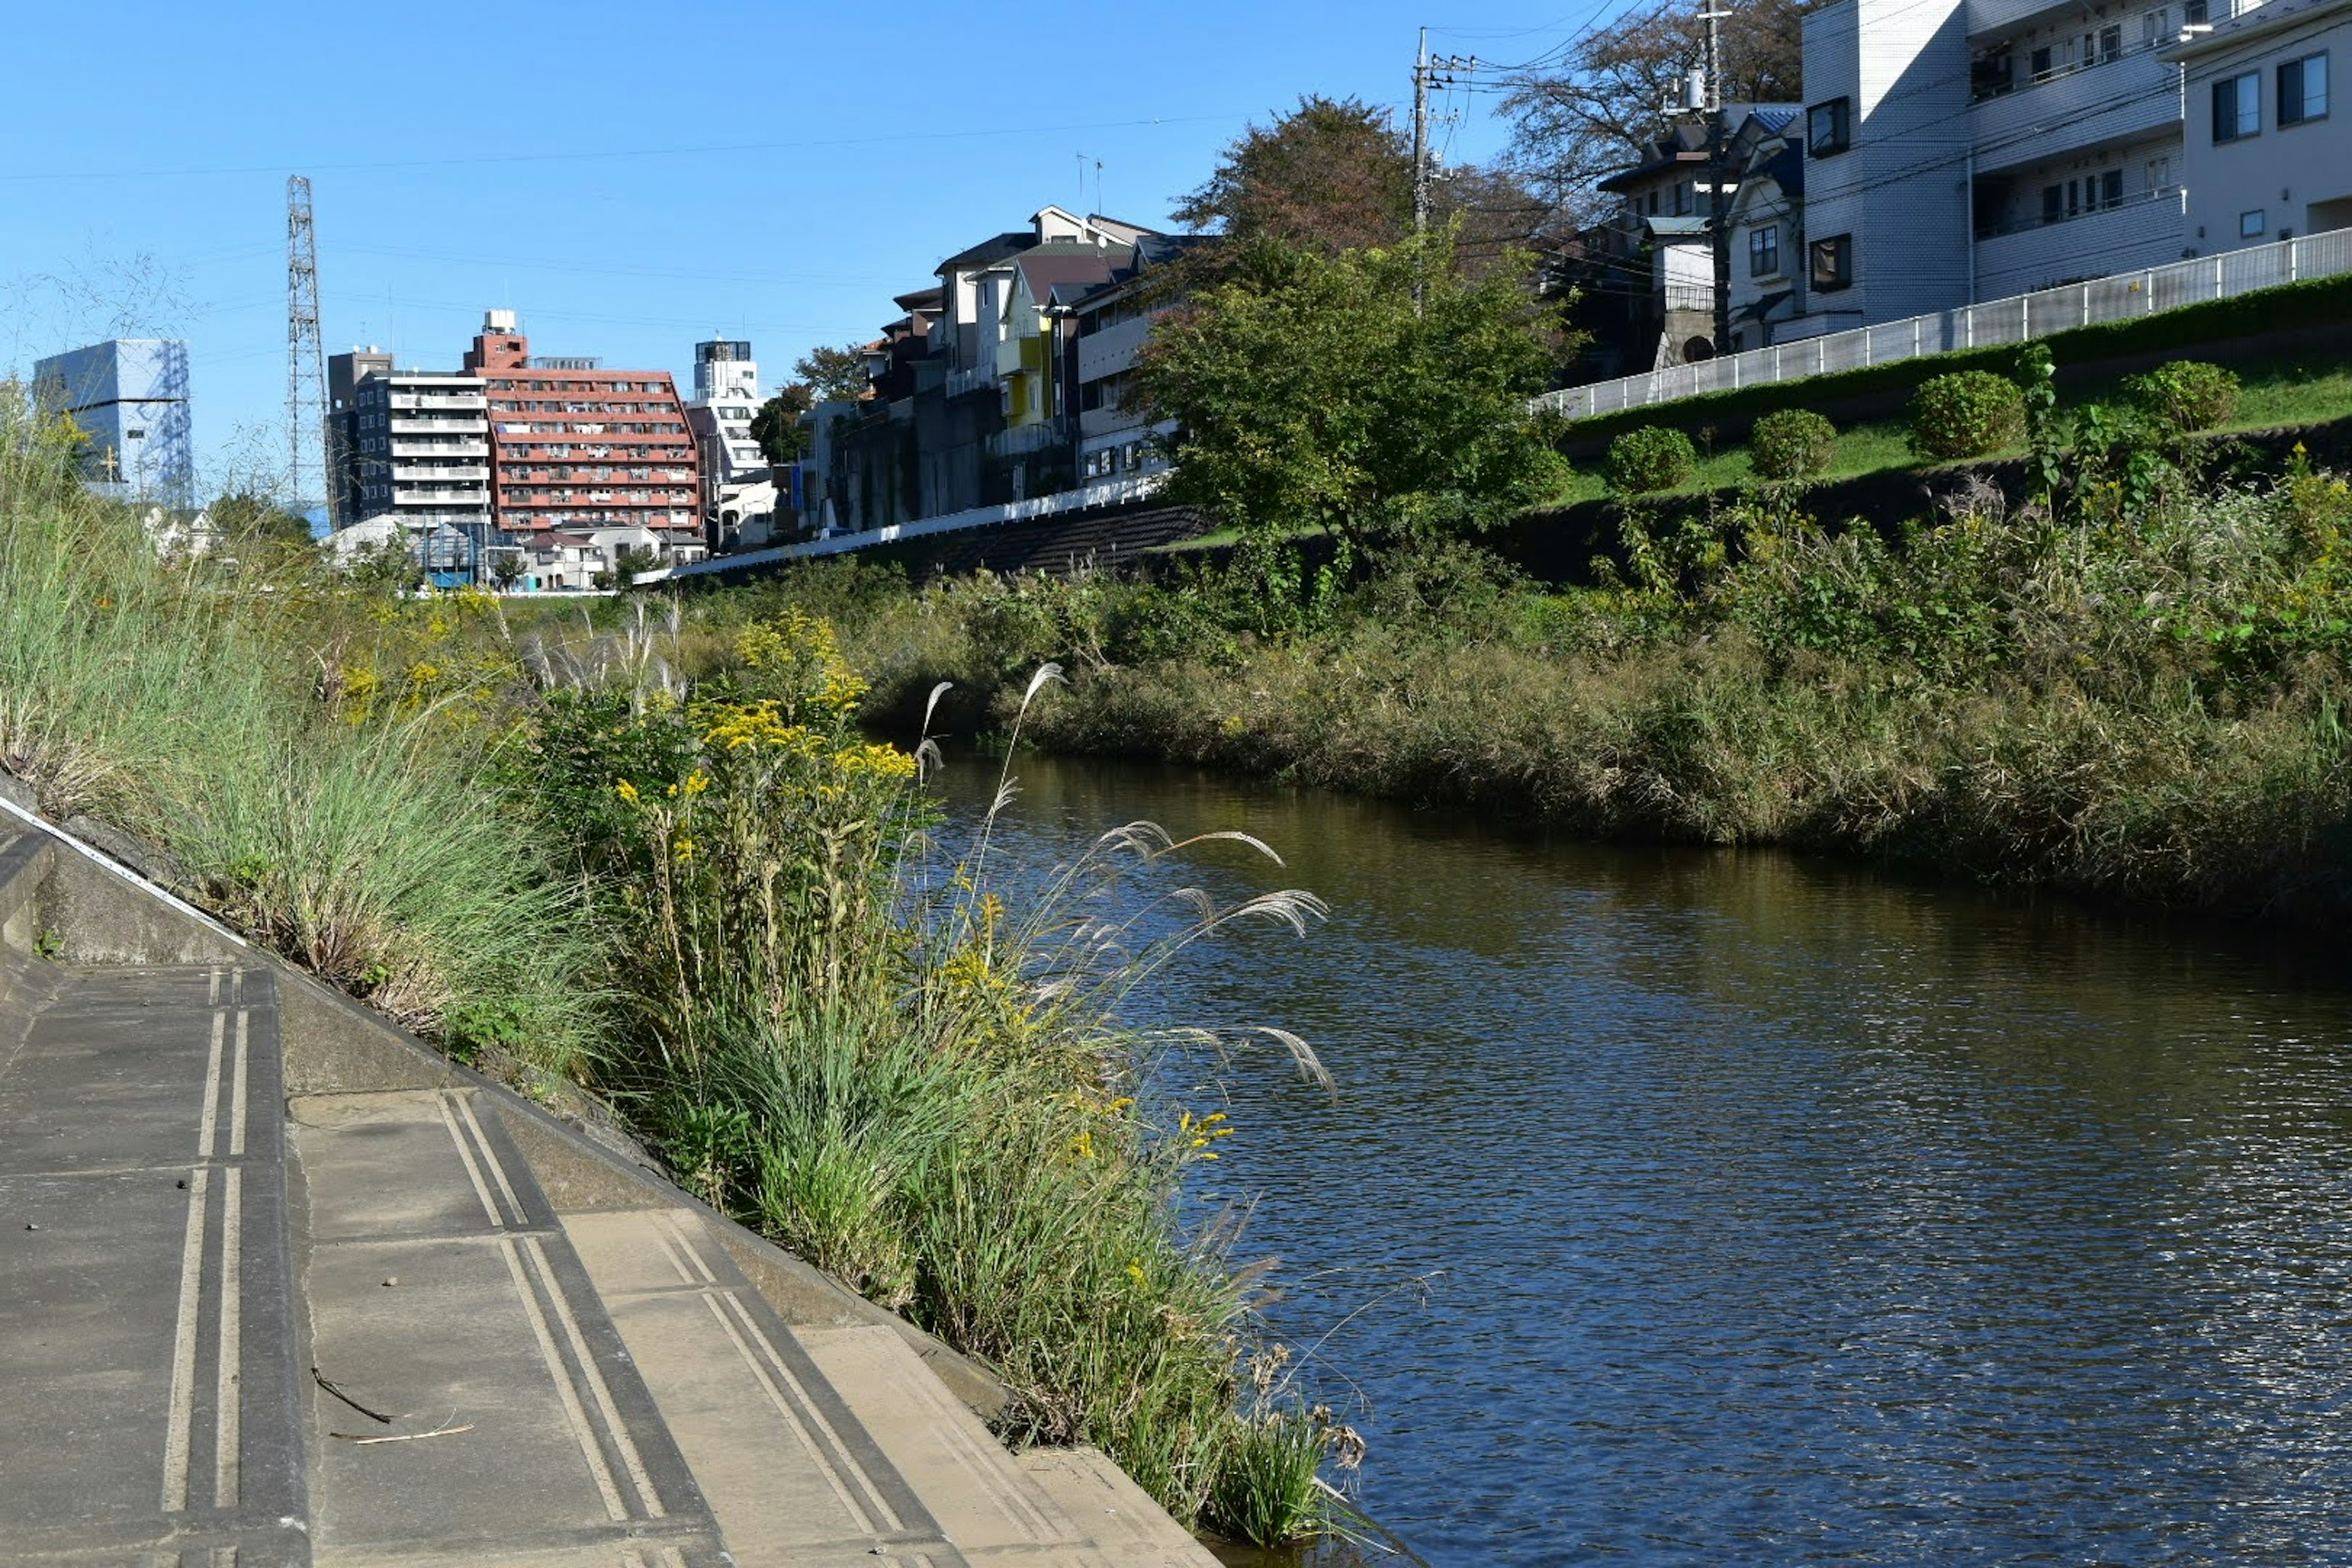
(655, 859)
(2141, 701)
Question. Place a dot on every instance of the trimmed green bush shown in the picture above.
(1967, 415)
(2185, 395)
(1650, 459)
(1794, 443)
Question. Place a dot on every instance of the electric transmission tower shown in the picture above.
(306, 356)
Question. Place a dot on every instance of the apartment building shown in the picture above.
(1967, 150)
(575, 445)
(408, 446)
(1108, 323)
(129, 396)
(725, 397)
(2266, 156)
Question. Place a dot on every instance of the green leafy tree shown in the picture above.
(1314, 392)
(1332, 174)
(833, 373)
(777, 424)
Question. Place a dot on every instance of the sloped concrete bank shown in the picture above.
(286, 1286)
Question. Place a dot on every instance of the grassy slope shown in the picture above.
(2276, 393)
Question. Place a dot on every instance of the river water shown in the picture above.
(1680, 1207)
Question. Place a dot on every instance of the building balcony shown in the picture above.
(1023, 439)
(1112, 350)
(439, 400)
(2143, 232)
(2133, 95)
(1108, 421)
(422, 495)
(440, 449)
(416, 423)
(977, 378)
(441, 473)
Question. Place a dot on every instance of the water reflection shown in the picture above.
(1778, 1212)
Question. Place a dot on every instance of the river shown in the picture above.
(1684, 1207)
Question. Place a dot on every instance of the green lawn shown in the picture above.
(2276, 393)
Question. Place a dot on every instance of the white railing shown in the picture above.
(2117, 298)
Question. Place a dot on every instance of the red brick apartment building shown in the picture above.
(575, 447)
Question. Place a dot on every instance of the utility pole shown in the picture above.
(306, 357)
(1718, 174)
(1421, 136)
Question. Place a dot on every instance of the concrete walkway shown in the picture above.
(279, 1286)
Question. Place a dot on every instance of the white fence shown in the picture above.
(2010, 321)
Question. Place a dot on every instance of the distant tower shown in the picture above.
(306, 355)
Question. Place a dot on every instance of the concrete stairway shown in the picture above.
(280, 1286)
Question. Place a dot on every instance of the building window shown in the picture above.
(2053, 204)
(1829, 127)
(2238, 107)
(2194, 12)
(2251, 224)
(2111, 42)
(2111, 188)
(2303, 89)
(1764, 250)
(1832, 262)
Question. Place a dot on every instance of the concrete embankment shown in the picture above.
(284, 1286)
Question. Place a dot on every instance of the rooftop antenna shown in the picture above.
(306, 355)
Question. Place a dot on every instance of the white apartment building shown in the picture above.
(1966, 150)
(725, 397)
(410, 444)
(2266, 157)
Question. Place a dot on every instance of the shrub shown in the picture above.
(1967, 415)
(2185, 395)
(1793, 444)
(1649, 460)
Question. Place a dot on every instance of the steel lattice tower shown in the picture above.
(306, 355)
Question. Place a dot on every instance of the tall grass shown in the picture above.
(177, 701)
(843, 1032)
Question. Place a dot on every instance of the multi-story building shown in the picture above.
(725, 397)
(1967, 150)
(1110, 323)
(413, 445)
(129, 397)
(577, 447)
(2266, 157)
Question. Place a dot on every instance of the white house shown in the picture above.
(2265, 156)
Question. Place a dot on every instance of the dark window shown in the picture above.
(1764, 250)
(2238, 107)
(2303, 89)
(2053, 204)
(2111, 42)
(1829, 127)
(1832, 262)
(2194, 12)
(2041, 61)
(2111, 188)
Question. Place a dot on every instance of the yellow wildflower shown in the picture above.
(626, 790)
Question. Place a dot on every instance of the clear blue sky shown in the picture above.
(628, 178)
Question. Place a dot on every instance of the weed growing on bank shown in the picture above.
(181, 699)
(2133, 686)
(655, 856)
(842, 1033)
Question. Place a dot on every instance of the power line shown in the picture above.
(622, 153)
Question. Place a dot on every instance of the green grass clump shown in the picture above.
(170, 699)
(848, 1038)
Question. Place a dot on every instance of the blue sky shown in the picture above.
(628, 178)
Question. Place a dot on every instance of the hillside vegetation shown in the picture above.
(2132, 687)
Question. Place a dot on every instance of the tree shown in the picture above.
(1604, 104)
(248, 517)
(833, 373)
(1331, 175)
(1313, 392)
(777, 425)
